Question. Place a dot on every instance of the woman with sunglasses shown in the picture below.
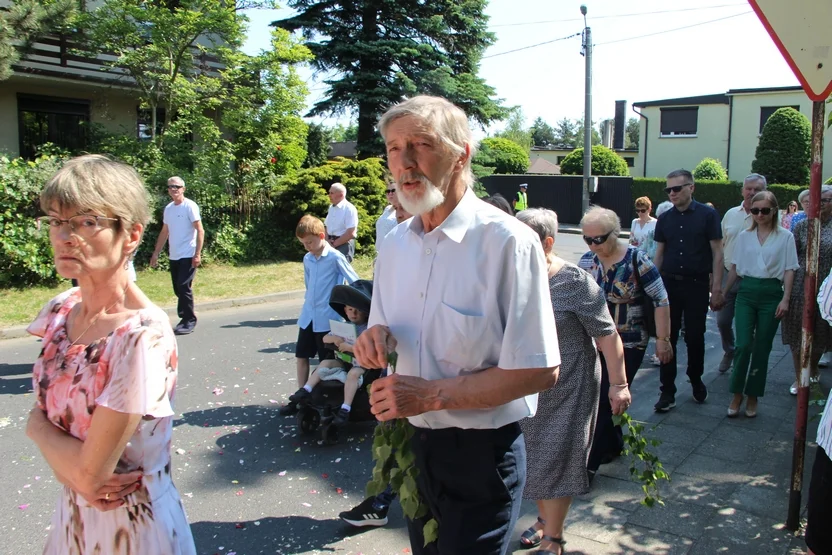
(793, 322)
(613, 264)
(791, 210)
(765, 257)
(643, 227)
(104, 382)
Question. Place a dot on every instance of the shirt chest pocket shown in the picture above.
(462, 341)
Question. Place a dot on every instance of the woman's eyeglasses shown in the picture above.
(675, 189)
(641, 210)
(83, 225)
(390, 191)
(763, 211)
(599, 240)
(175, 187)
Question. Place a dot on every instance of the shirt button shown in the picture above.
(427, 251)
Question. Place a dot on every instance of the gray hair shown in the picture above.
(176, 180)
(663, 207)
(681, 173)
(441, 118)
(543, 221)
(825, 189)
(604, 217)
(803, 194)
(756, 177)
(338, 187)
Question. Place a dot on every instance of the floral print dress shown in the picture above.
(133, 370)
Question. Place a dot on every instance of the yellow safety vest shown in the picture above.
(522, 201)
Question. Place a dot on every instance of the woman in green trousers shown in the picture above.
(765, 258)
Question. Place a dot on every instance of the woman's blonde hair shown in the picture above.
(96, 183)
(644, 202)
(775, 210)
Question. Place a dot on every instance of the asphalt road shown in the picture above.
(249, 482)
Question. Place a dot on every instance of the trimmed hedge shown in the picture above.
(724, 195)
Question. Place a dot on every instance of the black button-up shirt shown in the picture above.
(687, 239)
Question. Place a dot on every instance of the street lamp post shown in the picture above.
(587, 53)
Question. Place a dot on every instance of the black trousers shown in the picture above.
(182, 275)
(472, 482)
(608, 439)
(689, 299)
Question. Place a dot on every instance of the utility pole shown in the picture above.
(587, 53)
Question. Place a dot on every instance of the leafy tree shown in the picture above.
(566, 133)
(317, 145)
(596, 135)
(784, 151)
(515, 130)
(26, 21)
(501, 154)
(383, 51)
(542, 133)
(710, 169)
(341, 133)
(631, 133)
(604, 162)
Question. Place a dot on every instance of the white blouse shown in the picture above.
(770, 260)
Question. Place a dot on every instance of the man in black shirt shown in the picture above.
(689, 249)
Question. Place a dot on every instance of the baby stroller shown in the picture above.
(319, 409)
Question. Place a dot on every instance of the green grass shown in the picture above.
(213, 282)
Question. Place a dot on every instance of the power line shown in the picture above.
(672, 30)
(618, 15)
(531, 46)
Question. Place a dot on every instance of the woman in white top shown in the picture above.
(643, 228)
(765, 257)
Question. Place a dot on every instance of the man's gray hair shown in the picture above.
(825, 189)
(176, 180)
(338, 187)
(663, 207)
(604, 217)
(803, 194)
(543, 221)
(681, 173)
(756, 177)
(441, 118)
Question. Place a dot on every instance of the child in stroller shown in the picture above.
(333, 394)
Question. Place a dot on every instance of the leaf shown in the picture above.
(431, 531)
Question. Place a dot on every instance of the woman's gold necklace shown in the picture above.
(97, 316)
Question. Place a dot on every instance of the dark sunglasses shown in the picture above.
(641, 210)
(597, 240)
(675, 189)
(175, 187)
(390, 191)
(764, 211)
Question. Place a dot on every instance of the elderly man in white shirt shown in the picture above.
(735, 221)
(392, 216)
(461, 295)
(341, 222)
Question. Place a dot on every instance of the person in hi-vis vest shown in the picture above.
(521, 201)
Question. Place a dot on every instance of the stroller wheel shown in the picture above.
(308, 420)
(329, 434)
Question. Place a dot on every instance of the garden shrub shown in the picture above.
(710, 169)
(784, 150)
(501, 156)
(604, 162)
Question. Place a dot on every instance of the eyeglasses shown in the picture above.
(599, 240)
(641, 210)
(763, 211)
(825, 200)
(176, 187)
(390, 191)
(83, 225)
(676, 188)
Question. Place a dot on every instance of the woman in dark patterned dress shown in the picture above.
(558, 437)
(105, 379)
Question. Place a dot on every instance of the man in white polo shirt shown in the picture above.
(183, 226)
(735, 221)
(461, 293)
(341, 222)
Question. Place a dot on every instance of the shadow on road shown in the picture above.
(263, 323)
(15, 379)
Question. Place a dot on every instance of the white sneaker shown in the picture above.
(793, 388)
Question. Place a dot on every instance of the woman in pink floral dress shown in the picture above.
(105, 379)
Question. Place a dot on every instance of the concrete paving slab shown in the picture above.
(715, 470)
(638, 540)
(595, 521)
(698, 491)
(727, 450)
(701, 422)
(624, 495)
(674, 517)
(738, 532)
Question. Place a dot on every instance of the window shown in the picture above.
(678, 122)
(43, 119)
(630, 161)
(560, 159)
(766, 111)
(144, 122)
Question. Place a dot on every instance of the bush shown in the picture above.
(784, 151)
(503, 155)
(604, 162)
(710, 169)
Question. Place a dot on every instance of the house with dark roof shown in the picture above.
(679, 132)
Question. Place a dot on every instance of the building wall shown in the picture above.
(555, 156)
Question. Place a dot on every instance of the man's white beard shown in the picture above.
(421, 204)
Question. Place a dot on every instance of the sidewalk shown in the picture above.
(730, 477)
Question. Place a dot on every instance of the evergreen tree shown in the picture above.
(317, 145)
(542, 133)
(566, 133)
(631, 133)
(785, 148)
(385, 50)
(515, 130)
(26, 21)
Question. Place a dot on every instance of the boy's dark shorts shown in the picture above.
(311, 343)
(818, 531)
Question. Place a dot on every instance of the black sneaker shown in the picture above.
(341, 417)
(299, 397)
(290, 409)
(365, 514)
(700, 392)
(666, 402)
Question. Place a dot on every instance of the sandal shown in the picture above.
(560, 541)
(530, 537)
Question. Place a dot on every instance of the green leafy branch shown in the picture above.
(394, 465)
(645, 466)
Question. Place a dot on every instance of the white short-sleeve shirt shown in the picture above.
(340, 218)
(385, 224)
(181, 232)
(766, 261)
(735, 221)
(471, 294)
